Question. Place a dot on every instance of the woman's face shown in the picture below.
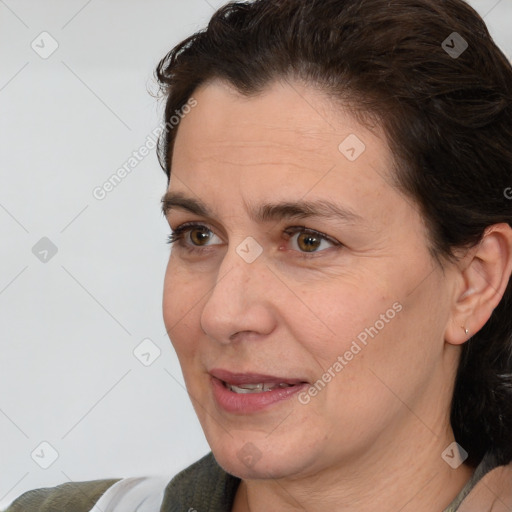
(304, 270)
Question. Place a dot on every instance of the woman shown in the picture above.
(338, 291)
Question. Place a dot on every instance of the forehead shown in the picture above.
(296, 122)
(289, 140)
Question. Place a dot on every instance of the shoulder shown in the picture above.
(493, 492)
(68, 497)
(202, 486)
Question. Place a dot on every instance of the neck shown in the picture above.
(410, 477)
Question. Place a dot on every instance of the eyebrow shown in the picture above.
(176, 200)
(267, 212)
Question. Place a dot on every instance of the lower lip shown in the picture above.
(245, 403)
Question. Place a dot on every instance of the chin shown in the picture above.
(250, 460)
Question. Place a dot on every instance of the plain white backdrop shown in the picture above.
(81, 277)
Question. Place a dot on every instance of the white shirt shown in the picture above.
(134, 494)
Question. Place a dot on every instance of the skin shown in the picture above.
(372, 439)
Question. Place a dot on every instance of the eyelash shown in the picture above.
(177, 236)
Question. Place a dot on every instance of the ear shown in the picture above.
(483, 274)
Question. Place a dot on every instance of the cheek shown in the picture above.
(350, 329)
(181, 309)
(389, 348)
(331, 317)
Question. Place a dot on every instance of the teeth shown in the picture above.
(256, 388)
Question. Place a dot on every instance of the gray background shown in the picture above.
(69, 324)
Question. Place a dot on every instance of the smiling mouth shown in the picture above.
(251, 393)
(252, 383)
(256, 388)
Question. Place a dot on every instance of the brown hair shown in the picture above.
(447, 114)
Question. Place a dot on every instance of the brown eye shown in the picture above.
(308, 242)
(305, 240)
(200, 235)
(193, 237)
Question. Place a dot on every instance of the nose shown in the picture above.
(240, 303)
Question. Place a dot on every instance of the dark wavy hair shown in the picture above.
(447, 118)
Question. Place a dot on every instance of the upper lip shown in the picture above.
(251, 378)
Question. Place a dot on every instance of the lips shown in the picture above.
(245, 393)
(254, 381)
